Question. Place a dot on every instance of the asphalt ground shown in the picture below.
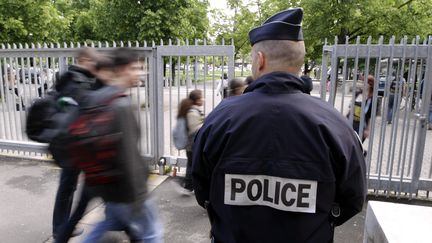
(27, 191)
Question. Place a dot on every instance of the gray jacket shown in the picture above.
(132, 186)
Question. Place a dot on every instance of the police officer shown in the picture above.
(276, 164)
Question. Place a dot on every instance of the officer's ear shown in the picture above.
(261, 61)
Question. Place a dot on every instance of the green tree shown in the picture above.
(150, 20)
(325, 19)
(31, 21)
(235, 27)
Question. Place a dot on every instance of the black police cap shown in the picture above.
(285, 25)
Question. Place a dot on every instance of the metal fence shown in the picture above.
(171, 71)
(398, 147)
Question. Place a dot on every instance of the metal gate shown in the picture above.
(180, 69)
(170, 71)
(399, 154)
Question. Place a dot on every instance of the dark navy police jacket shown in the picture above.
(273, 163)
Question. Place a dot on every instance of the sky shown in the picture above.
(218, 4)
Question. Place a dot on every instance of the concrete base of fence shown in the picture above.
(395, 222)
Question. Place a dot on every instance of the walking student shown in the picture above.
(276, 164)
(128, 205)
(78, 80)
(190, 108)
(366, 113)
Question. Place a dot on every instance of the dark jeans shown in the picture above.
(64, 197)
(390, 108)
(188, 178)
(64, 231)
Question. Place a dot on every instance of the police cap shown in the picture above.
(285, 25)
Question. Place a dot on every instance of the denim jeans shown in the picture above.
(390, 107)
(64, 197)
(188, 177)
(143, 226)
(430, 113)
(64, 232)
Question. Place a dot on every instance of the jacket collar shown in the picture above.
(276, 82)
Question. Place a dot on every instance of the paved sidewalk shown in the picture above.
(27, 191)
(96, 214)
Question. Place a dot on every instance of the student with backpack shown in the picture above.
(113, 166)
(367, 112)
(189, 120)
(103, 73)
(73, 84)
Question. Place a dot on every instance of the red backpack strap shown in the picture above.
(114, 97)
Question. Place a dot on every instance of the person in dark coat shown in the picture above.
(276, 164)
(308, 84)
(236, 87)
(74, 83)
(128, 205)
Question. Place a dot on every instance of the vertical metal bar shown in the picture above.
(403, 157)
(344, 73)
(16, 99)
(170, 82)
(333, 74)
(430, 168)
(406, 120)
(188, 83)
(231, 65)
(374, 108)
(179, 86)
(18, 112)
(383, 133)
(7, 103)
(413, 137)
(152, 93)
(158, 101)
(195, 67)
(3, 99)
(395, 112)
(394, 132)
(324, 63)
(420, 146)
(354, 89)
(205, 80)
(365, 92)
(23, 84)
(213, 81)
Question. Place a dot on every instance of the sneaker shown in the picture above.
(187, 192)
(181, 190)
(77, 231)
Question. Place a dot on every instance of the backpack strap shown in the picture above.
(113, 97)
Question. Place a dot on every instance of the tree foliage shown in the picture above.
(29, 20)
(325, 19)
(102, 20)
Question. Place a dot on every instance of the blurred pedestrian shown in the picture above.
(128, 205)
(190, 108)
(248, 80)
(104, 74)
(275, 164)
(236, 87)
(396, 91)
(358, 112)
(74, 83)
(308, 84)
(222, 86)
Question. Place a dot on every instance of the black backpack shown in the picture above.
(47, 116)
(92, 142)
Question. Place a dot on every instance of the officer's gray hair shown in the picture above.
(282, 52)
